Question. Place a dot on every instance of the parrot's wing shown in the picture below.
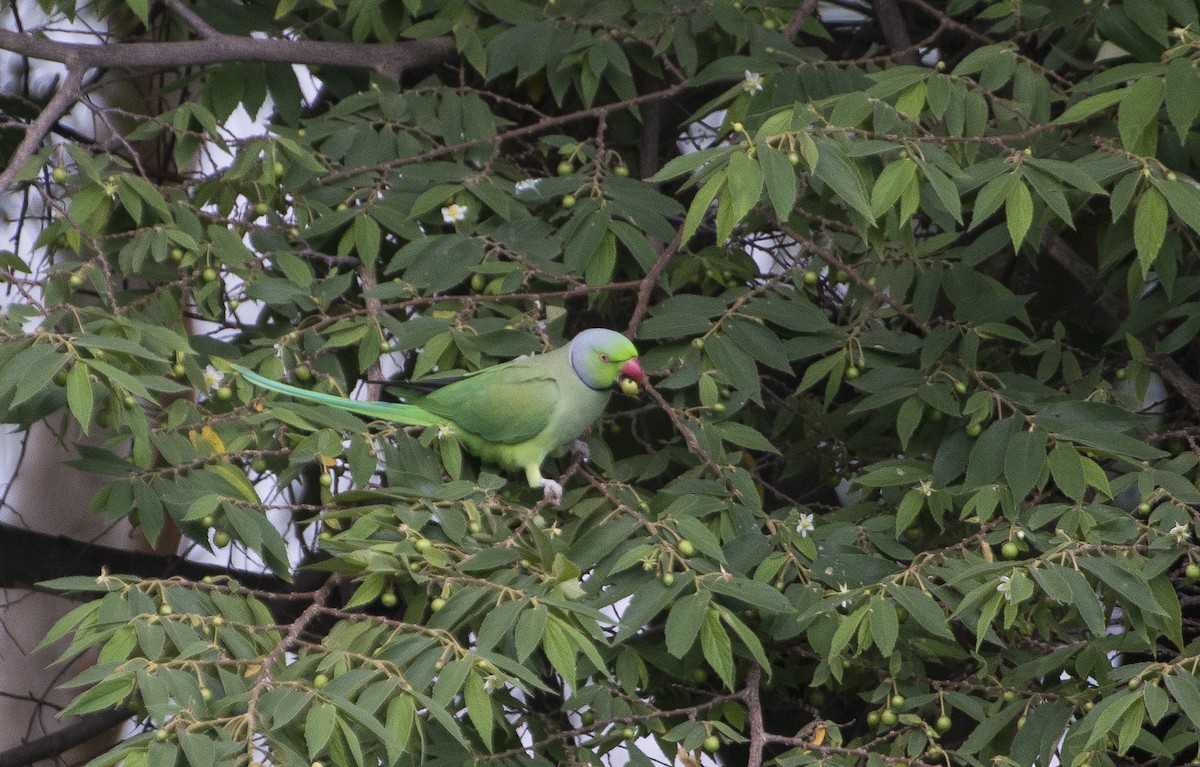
(506, 404)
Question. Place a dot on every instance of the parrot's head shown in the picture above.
(603, 358)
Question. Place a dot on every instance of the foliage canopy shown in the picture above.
(905, 277)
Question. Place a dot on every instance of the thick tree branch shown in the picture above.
(69, 91)
(27, 557)
(54, 744)
(388, 59)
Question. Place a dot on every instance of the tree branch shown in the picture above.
(27, 557)
(69, 91)
(56, 743)
(386, 58)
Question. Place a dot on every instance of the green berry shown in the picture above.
(209, 275)
(478, 282)
(943, 723)
(1009, 696)
(794, 158)
(712, 743)
(325, 480)
(261, 209)
(960, 387)
(628, 733)
(1192, 570)
(320, 680)
(423, 544)
(810, 277)
(974, 430)
(303, 373)
(873, 719)
(568, 201)
(685, 548)
(389, 599)
(436, 604)
(221, 539)
(897, 701)
(60, 174)
(668, 579)
(565, 168)
(622, 171)
(698, 343)
(224, 393)
(75, 281)
(165, 609)
(852, 373)
(1143, 508)
(888, 718)
(1009, 550)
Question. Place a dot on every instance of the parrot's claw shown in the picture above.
(581, 449)
(552, 491)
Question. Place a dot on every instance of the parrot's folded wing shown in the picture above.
(504, 405)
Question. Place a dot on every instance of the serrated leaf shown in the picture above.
(1149, 227)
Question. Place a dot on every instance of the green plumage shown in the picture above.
(513, 414)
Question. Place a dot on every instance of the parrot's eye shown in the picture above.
(603, 357)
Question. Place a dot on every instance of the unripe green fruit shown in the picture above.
(960, 387)
(207, 520)
(685, 548)
(897, 700)
(474, 527)
(568, 201)
(1009, 550)
(325, 480)
(1143, 508)
(303, 373)
(668, 579)
(712, 743)
(565, 168)
(794, 158)
(1009, 696)
(974, 430)
(129, 400)
(842, 276)
(278, 168)
(320, 680)
(478, 282)
(873, 719)
(943, 723)
(165, 610)
(259, 465)
(436, 604)
(389, 599)
(423, 544)
(588, 718)
(622, 171)
(698, 343)
(810, 277)
(209, 275)
(852, 373)
(888, 718)
(60, 174)
(224, 393)
(261, 209)
(206, 694)
(75, 281)
(628, 733)
(1192, 570)
(221, 539)
(176, 254)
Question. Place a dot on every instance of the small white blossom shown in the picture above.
(805, 526)
(926, 487)
(844, 589)
(527, 185)
(1180, 532)
(445, 431)
(1005, 587)
(454, 213)
(753, 82)
(213, 377)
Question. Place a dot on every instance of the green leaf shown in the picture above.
(1180, 86)
(717, 649)
(885, 625)
(79, 394)
(780, 178)
(896, 177)
(1066, 468)
(683, 622)
(479, 707)
(1185, 689)
(1149, 227)
(1089, 106)
(1024, 460)
(745, 185)
(1138, 109)
(1018, 210)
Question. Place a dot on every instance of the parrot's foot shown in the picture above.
(552, 491)
(580, 448)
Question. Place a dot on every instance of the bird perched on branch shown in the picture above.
(516, 413)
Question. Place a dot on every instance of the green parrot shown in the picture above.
(516, 413)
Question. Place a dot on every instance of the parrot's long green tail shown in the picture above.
(410, 415)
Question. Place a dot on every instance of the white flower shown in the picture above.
(527, 185)
(454, 213)
(1005, 587)
(1180, 532)
(213, 377)
(844, 589)
(805, 526)
(445, 431)
(752, 83)
(926, 487)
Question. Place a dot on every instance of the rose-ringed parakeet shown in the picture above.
(513, 414)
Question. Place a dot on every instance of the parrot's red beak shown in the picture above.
(632, 369)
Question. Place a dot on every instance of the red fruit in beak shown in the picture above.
(633, 369)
